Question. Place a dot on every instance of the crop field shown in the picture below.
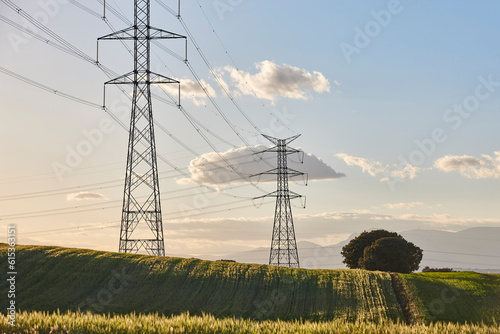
(458, 297)
(52, 278)
(63, 290)
(44, 323)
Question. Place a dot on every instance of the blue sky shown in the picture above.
(361, 113)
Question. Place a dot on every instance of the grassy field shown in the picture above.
(43, 323)
(459, 297)
(51, 278)
(158, 295)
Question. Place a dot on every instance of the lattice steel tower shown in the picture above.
(283, 245)
(141, 200)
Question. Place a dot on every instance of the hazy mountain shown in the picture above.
(473, 248)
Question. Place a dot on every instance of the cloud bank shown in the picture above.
(471, 167)
(376, 168)
(403, 206)
(483, 167)
(212, 168)
(273, 81)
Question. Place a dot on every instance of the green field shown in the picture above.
(51, 278)
(158, 293)
(458, 297)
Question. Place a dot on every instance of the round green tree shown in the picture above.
(353, 251)
(392, 254)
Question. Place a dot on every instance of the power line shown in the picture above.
(46, 88)
(461, 262)
(85, 8)
(68, 96)
(468, 254)
(180, 214)
(162, 47)
(61, 211)
(196, 124)
(192, 122)
(39, 25)
(205, 90)
(237, 69)
(71, 49)
(211, 69)
(451, 236)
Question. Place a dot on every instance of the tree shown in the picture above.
(353, 251)
(392, 254)
(427, 269)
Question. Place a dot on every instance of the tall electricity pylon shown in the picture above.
(283, 245)
(141, 198)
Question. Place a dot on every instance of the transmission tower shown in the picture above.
(283, 245)
(141, 211)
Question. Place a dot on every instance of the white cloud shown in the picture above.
(406, 206)
(471, 167)
(273, 81)
(191, 90)
(212, 168)
(376, 168)
(85, 196)
(408, 172)
(369, 166)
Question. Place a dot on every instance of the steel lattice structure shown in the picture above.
(283, 245)
(141, 199)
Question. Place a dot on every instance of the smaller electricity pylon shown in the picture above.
(283, 245)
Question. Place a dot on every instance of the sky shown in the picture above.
(397, 104)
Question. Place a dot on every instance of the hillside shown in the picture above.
(51, 278)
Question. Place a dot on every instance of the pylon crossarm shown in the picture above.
(269, 172)
(129, 78)
(276, 149)
(156, 33)
(275, 141)
(271, 149)
(292, 172)
(125, 79)
(290, 150)
(293, 195)
(161, 79)
(289, 140)
(289, 172)
(127, 33)
(273, 194)
(271, 139)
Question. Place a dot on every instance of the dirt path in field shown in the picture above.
(403, 297)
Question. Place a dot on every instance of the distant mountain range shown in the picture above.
(475, 249)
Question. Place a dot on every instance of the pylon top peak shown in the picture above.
(275, 140)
